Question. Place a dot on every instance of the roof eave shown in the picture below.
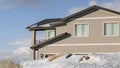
(45, 21)
(52, 40)
(41, 28)
(84, 12)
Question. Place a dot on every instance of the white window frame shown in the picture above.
(104, 28)
(81, 23)
(48, 32)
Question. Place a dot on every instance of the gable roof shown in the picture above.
(87, 11)
(55, 22)
(83, 13)
(51, 40)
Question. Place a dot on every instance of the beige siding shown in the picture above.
(80, 49)
(96, 35)
(96, 32)
(100, 13)
(61, 29)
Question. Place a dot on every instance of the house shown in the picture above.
(94, 29)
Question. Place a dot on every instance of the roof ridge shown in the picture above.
(94, 7)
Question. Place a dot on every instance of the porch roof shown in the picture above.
(44, 24)
(51, 40)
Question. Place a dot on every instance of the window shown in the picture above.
(43, 56)
(81, 30)
(111, 29)
(51, 34)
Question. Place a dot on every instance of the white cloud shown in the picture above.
(24, 42)
(18, 55)
(21, 51)
(10, 4)
(7, 4)
(75, 9)
(21, 54)
(111, 5)
(92, 2)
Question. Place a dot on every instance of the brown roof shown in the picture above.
(82, 13)
(63, 21)
(52, 40)
(87, 11)
(41, 28)
(45, 21)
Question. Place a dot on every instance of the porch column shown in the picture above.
(37, 54)
(33, 44)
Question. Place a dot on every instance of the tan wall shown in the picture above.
(96, 34)
(100, 13)
(61, 29)
(80, 49)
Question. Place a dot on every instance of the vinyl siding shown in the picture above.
(96, 31)
(96, 35)
(80, 49)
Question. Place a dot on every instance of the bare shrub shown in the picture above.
(8, 64)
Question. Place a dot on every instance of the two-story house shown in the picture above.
(94, 29)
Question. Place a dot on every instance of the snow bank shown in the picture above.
(95, 60)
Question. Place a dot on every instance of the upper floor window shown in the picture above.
(111, 29)
(81, 30)
(51, 34)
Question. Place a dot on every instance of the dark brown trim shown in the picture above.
(55, 32)
(85, 12)
(34, 54)
(45, 21)
(82, 13)
(58, 24)
(50, 41)
(41, 28)
(63, 21)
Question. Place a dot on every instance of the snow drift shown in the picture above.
(94, 60)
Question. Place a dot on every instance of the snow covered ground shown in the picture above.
(94, 60)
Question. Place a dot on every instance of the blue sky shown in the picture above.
(15, 16)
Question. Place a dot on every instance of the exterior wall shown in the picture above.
(61, 29)
(96, 35)
(100, 13)
(96, 32)
(80, 49)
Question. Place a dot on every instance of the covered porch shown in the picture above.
(42, 26)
